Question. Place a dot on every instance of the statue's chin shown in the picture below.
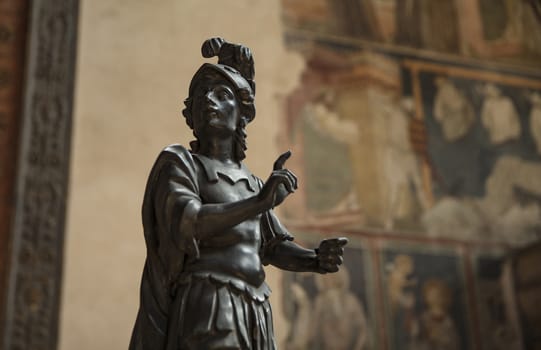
(218, 128)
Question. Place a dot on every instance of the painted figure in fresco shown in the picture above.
(521, 27)
(436, 329)
(510, 209)
(402, 169)
(499, 115)
(336, 305)
(209, 225)
(453, 110)
(328, 136)
(497, 331)
(400, 282)
(535, 119)
(511, 204)
(300, 329)
(324, 118)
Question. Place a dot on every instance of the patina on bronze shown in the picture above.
(209, 224)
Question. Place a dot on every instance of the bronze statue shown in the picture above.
(209, 225)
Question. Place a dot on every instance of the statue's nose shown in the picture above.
(210, 97)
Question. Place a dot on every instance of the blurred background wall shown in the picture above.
(415, 129)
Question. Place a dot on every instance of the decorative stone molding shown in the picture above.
(34, 285)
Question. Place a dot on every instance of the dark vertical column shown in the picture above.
(37, 235)
(13, 31)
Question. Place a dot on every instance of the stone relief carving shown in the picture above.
(42, 177)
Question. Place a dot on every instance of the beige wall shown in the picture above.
(136, 59)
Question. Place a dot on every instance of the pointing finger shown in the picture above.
(279, 163)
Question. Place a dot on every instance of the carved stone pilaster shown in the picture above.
(13, 26)
(42, 177)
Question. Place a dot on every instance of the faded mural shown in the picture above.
(332, 311)
(436, 149)
(416, 127)
(400, 142)
(425, 300)
(498, 331)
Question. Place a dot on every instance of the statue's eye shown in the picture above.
(223, 94)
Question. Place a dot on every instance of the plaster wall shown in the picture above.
(135, 62)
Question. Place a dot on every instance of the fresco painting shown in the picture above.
(415, 129)
(403, 294)
(425, 299)
(496, 328)
(314, 302)
(417, 147)
(479, 133)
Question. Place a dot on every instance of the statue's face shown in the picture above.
(216, 111)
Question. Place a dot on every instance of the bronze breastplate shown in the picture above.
(234, 251)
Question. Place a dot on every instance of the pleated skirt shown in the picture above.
(212, 312)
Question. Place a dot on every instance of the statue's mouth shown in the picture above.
(212, 112)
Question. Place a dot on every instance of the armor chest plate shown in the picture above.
(224, 183)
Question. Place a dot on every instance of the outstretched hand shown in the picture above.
(330, 254)
(280, 184)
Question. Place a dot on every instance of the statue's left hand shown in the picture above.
(280, 184)
(330, 254)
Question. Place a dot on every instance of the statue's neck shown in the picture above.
(221, 149)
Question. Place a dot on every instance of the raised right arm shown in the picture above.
(180, 210)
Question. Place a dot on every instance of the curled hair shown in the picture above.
(240, 145)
